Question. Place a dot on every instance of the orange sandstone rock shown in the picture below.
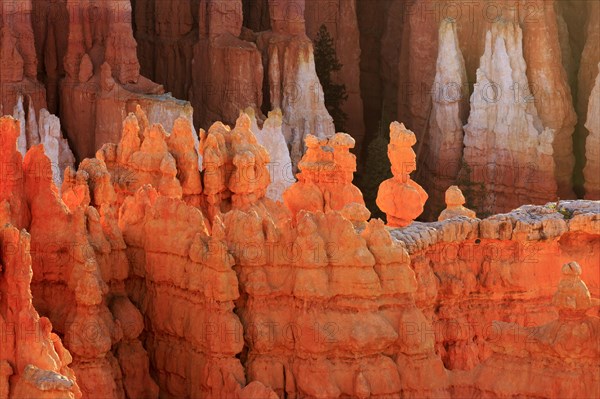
(399, 197)
(567, 343)
(454, 205)
(591, 171)
(33, 362)
(325, 180)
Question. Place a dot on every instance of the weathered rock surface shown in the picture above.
(340, 18)
(18, 70)
(454, 205)
(235, 295)
(232, 70)
(442, 145)
(591, 172)
(508, 151)
(103, 81)
(79, 265)
(400, 197)
(472, 272)
(529, 358)
(325, 180)
(549, 86)
(270, 136)
(33, 361)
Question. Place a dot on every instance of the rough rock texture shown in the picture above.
(340, 18)
(530, 358)
(186, 293)
(549, 86)
(46, 131)
(301, 308)
(400, 197)
(280, 165)
(103, 82)
(78, 267)
(588, 73)
(553, 36)
(18, 70)
(454, 205)
(508, 151)
(295, 88)
(325, 180)
(166, 32)
(471, 272)
(442, 147)
(33, 361)
(231, 77)
(591, 171)
(229, 287)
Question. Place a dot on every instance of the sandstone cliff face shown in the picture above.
(78, 264)
(441, 149)
(572, 338)
(342, 23)
(186, 293)
(257, 300)
(18, 71)
(103, 81)
(306, 303)
(586, 77)
(551, 73)
(166, 32)
(33, 361)
(508, 150)
(231, 76)
(295, 88)
(46, 131)
(471, 272)
(548, 84)
(592, 154)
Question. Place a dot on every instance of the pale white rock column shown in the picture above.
(19, 114)
(444, 141)
(280, 164)
(591, 171)
(31, 130)
(292, 69)
(56, 147)
(507, 148)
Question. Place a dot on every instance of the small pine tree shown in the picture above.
(326, 62)
(377, 168)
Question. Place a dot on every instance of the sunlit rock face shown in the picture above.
(211, 248)
(269, 300)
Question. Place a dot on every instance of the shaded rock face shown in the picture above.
(226, 55)
(222, 67)
(340, 18)
(18, 71)
(592, 166)
(508, 149)
(403, 37)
